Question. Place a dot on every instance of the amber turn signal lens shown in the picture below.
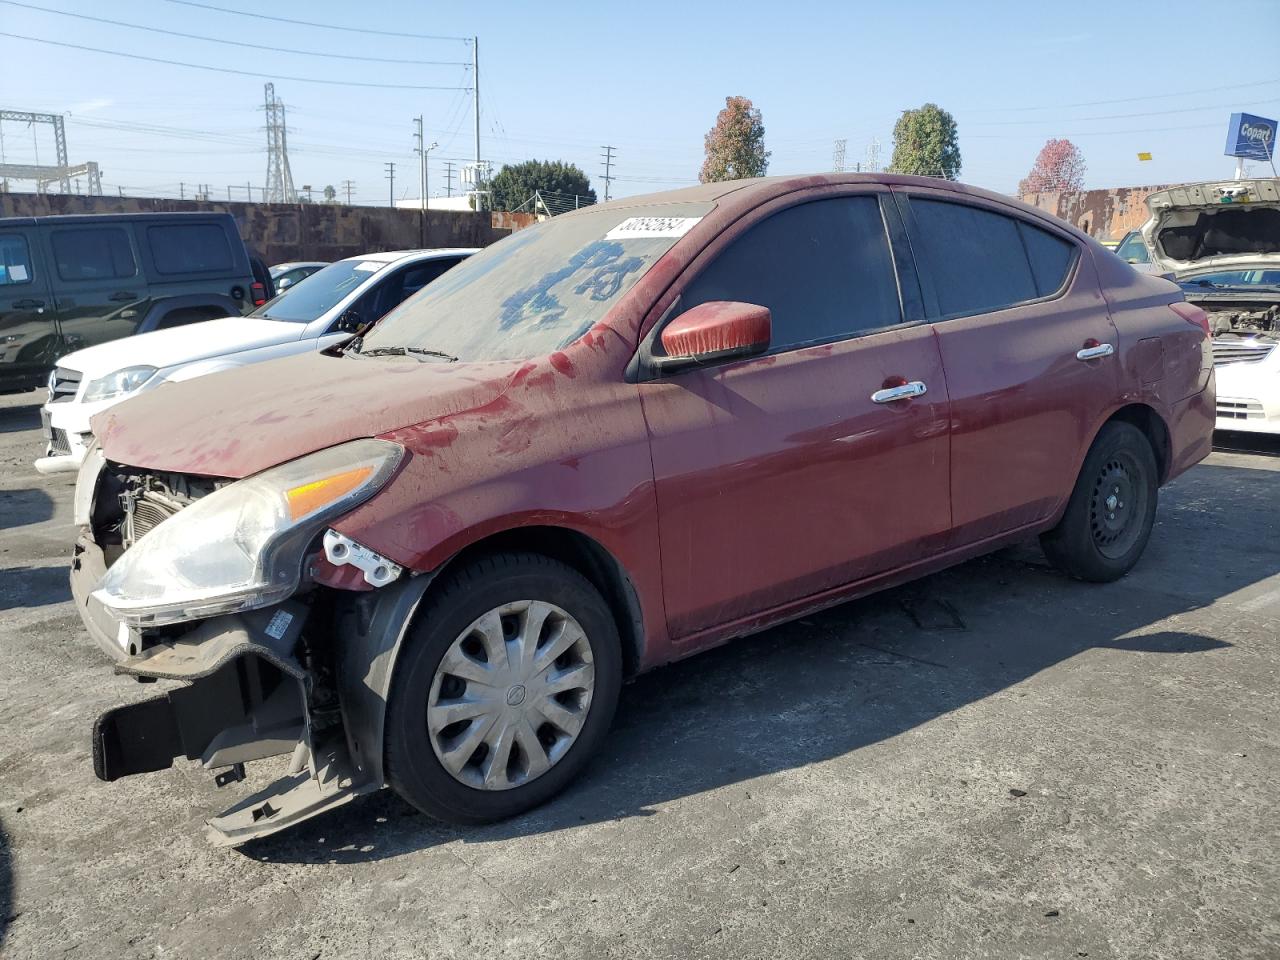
(310, 497)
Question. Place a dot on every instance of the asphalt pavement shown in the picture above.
(992, 762)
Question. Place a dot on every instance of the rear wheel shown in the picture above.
(505, 688)
(1112, 509)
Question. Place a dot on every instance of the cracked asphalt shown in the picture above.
(992, 762)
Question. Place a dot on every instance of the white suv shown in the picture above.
(316, 313)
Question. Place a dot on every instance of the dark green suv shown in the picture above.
(72, 282)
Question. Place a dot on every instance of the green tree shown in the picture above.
(925, 143)
(735, 145)
(516, 183)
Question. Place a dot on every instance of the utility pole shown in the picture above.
(348, 185)
(421, 150)
(182, 190)
(448, 178)
(475, 88)
(391, 177)
(837, 156)
(608, 167)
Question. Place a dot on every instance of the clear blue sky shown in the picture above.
(559, 80)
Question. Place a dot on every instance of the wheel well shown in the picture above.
(1153, 427)
(185, 315)
(590, 559)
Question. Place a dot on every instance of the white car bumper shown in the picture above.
(67, 434)
(1249, 396)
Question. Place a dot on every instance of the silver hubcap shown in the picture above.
(511, 695)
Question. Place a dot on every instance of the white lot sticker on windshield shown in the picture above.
(635, 227)
(370, 266)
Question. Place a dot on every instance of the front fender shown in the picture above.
(371, 628)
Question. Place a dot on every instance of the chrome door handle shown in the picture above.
(905, 392)
(1093, 353)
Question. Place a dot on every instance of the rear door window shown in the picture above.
(823, 269)
(189, 248)
(15, 260)
(93, 253)
(982, 261)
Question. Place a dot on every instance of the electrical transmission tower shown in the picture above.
(873, 156)
(279, 187)
(837, 156)
(607, 156)
(59, 173)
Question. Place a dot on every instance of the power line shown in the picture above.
(1109, 116)
(1105, 103)
(323, 26)
(242, 73)
(235, 43)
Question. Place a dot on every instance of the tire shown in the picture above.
(1099, 539)
(450, 633)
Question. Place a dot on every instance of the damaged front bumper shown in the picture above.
(252, 687)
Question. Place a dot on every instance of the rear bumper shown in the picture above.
(1191, 431)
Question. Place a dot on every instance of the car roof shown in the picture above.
(294, 264)
(394, 256)
(733, 197)
(63, 218)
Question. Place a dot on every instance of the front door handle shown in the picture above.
(123, 295)
(1095, 351)
(906, 391)
(28, 304)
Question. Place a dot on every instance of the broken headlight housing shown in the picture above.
(242, 547)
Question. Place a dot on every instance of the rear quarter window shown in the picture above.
(93, 253)
(1051, 258)
(189, 248)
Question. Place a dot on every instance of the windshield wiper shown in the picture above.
(406, 352)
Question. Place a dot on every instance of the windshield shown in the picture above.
(538, 290)
(1235, 278)
(310, 297)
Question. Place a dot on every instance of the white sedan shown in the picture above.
(316, 313)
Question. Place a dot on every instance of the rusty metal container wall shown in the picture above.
(1103, 214)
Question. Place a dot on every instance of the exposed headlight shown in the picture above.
(242, 547)
(121, 381)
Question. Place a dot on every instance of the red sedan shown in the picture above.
(429, 560)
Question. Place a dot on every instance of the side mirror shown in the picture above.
(284, 284)
(350, 322)
(713, 332)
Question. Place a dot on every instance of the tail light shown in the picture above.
(259, 293)
(1193, 315)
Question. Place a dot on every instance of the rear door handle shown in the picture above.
(904, 392)
(123, 295)
(28, 304)
(1093, 353)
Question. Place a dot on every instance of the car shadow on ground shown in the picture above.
(28, 587)
(22, 508)
(16, 419)
(838, 681)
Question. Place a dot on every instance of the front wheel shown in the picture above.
(506, 686)
(1112, 509)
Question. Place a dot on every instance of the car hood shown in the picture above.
(238, 422)
(1225, 225)
(195, 341)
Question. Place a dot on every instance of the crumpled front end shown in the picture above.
(244, 680)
